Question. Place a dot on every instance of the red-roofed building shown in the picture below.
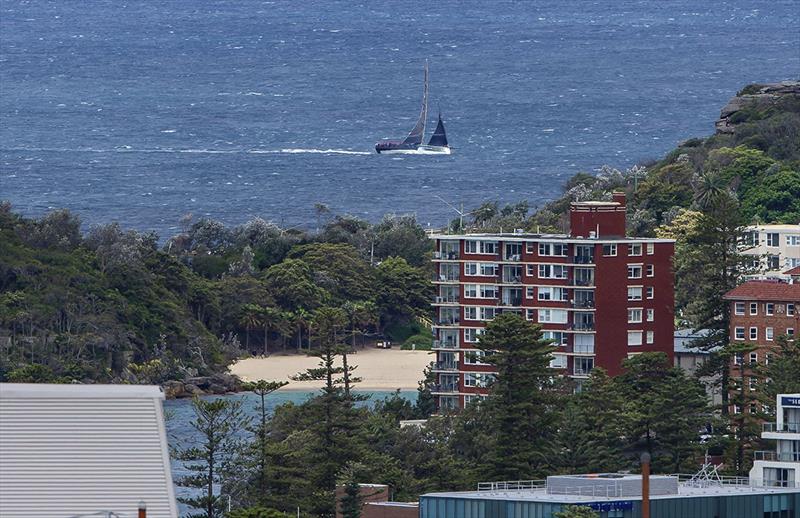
(761, 311)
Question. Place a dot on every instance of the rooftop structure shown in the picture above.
(599, 296)
(780, 468)
(69, 450)
(616, 495)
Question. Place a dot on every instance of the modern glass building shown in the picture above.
(616, 496)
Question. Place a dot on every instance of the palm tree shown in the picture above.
(268, 318)
(710, 188)
(250, 318)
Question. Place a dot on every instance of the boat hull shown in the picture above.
(421, 150)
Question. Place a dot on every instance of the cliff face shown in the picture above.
(756, 97)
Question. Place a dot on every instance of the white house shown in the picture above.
(72, 450)
(780, 468)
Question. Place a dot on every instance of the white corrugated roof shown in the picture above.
(69, 450)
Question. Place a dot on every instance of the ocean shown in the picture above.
(142, 112)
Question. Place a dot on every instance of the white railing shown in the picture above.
(512, 485)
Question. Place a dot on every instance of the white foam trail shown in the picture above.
(128, 149)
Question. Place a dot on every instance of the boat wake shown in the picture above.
(128, 149)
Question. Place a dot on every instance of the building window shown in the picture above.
(470, 247)
(609, 250)
(552, 271)
(790, 332)
(753, 333)
(737, 409)
(488, 247)
(650, 270)
(754, 308)
(634, 338)
(634, 271)
(651, 315)
(769, 333)
(530, 269)
(753, 358)
(773, 262)
(634, 293)
(651, 248)
(478, 380)
(529, 314)
(793, 240)
(470, 313)
(773, 239)
(739, 308)
(471, 335)
(558, 361)
(559, 294)
(470, 268)
(553, 249)
(650, 292)
(738, 359)
(474, 357)
(789, 310)
(555, 316)
(650, 337)
(767, 358)
(558, 337)
(529, 292)
(471, 291)
(752, 383)
(635, 249)
(739, 333)
(634, 316)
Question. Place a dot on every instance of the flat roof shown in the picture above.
(75, 390)
(510, 236)
(541, 495)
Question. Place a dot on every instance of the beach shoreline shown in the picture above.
(380, 369)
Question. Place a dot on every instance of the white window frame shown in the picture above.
(634, 293)
(777, 241)
(632, 315)
(470, 247)
(793, 240)
(651, 248)
(634, 271)
(737, 335)
(529, 292)
(470, 291)
(650, 337)
(471, 313)
(471, 267)
(546, 316)
(790, 310)
(769, 334)
(651, 293)
(736, 308)
(651, 314)
(753, 357)
(635, 249)
(753, 333)
(612, 250)
(754, 308)
(769, 308)
(651, 270)
(635, 338)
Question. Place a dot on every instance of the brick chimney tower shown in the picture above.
(598, 219)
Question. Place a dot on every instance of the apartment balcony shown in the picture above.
(445, 366)
(583, 349)
(582, 282)
(583, 259)
(446, 321)
(446, 300)
(583, 304)
(517, 301)
(513, 258)
(581, 371)
(774, 456)
(445, 344)
(512, 279)
(445, 388)
(446, 256)
(582, 326)
(454, 278)
(783, 427)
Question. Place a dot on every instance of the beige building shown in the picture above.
(777, 246)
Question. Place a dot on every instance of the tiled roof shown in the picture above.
(793, 271)
(765, 290)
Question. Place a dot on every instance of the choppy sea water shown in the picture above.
(145, 111)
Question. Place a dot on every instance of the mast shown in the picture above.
(415, 137)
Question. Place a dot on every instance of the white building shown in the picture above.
(71, 450)
(780, 468)
(777, 246)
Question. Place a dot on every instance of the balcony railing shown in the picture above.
(445, 366)
(447, 321)
(791, 456)
(514, 257)
(583, 282)
(783, 427)
(583, 304)
(583, 259)
(445, 277)
(445, 388)
(447, 300)
(511, 302)
(583, 349)
(512, 279)
(447, 256)
(445, 344)
(582, 326)
(582, 371)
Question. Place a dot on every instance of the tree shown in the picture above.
(402, 291)
(576, 511)
(250, 318)
(351, 501)
(256, 512)
(780, 374)
(522, 402)
(218, 423)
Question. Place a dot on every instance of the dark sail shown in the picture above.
(439, 137)
(415, 137)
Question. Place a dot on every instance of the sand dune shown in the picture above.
(379, 369)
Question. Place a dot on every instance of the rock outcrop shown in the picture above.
(201, 385)
(760, 95)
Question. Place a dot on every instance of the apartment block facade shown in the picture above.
(781, 467)
(761, 311)
(774, 248)
(600, 296)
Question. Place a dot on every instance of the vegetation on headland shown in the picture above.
(114, 306)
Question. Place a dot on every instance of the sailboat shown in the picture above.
(412, 144)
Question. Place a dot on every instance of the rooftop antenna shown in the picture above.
(460, 212)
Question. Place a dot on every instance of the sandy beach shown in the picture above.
(380, 369)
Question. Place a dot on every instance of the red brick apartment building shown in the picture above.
(599, 295)
(761, 311)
